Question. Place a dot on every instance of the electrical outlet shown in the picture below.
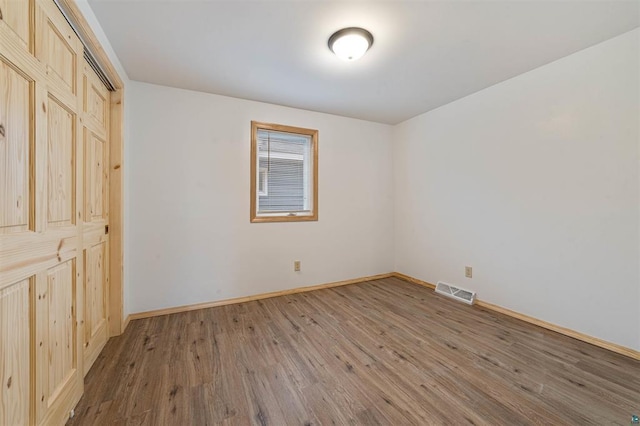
(468, 271)
(296, 265)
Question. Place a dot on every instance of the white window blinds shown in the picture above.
(284, 173)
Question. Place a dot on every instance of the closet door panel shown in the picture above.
(96, 215)
(15, 150)
(95, 177)
(15, 312)
(96, 100)
(95, 294)
(57, 47)
(54, 211)
(60, 165)
(16, 20)
(57, 375)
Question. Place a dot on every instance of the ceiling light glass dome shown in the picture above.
(350, 44)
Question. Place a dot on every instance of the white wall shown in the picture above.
(533, 182)
(190, 236)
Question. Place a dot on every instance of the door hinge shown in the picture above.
(106, 230)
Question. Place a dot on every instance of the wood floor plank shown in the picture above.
(384, 352)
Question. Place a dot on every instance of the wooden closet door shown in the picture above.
(58, 173)
(95, 119)
(17, 89)
(53, 214)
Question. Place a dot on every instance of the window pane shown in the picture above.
(262, 181)
(284, 169)
(284, 158)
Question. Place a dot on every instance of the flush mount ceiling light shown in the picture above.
(351, 43)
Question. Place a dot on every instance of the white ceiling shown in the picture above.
(425, 53)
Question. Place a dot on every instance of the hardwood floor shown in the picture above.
(381, 352)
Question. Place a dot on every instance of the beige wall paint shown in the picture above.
(191, 239)
(534, 182)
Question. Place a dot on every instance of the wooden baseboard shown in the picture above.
(126, 322)
(413, 280)
(623, 350)
(186, 308)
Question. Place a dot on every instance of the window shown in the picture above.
(284, 173)
(263, 185)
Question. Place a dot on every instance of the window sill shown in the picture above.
(265, 219)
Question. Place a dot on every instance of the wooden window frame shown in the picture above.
(254, 217)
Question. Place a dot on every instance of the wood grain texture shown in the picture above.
(549, 326)
(42, 249)
(15, 380)
(43, 233)
(96, 332)
(115, 194)
(553, 327)
(15, 149)
(25, 254)
(96, 101)
(95, 178)
(60, 165)
(16, 16)
(57, 379)
(57, 47)
(379, 352)
(60, 57)
(95, 147)
(60, 363)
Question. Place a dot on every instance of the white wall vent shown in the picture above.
(460, 294)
